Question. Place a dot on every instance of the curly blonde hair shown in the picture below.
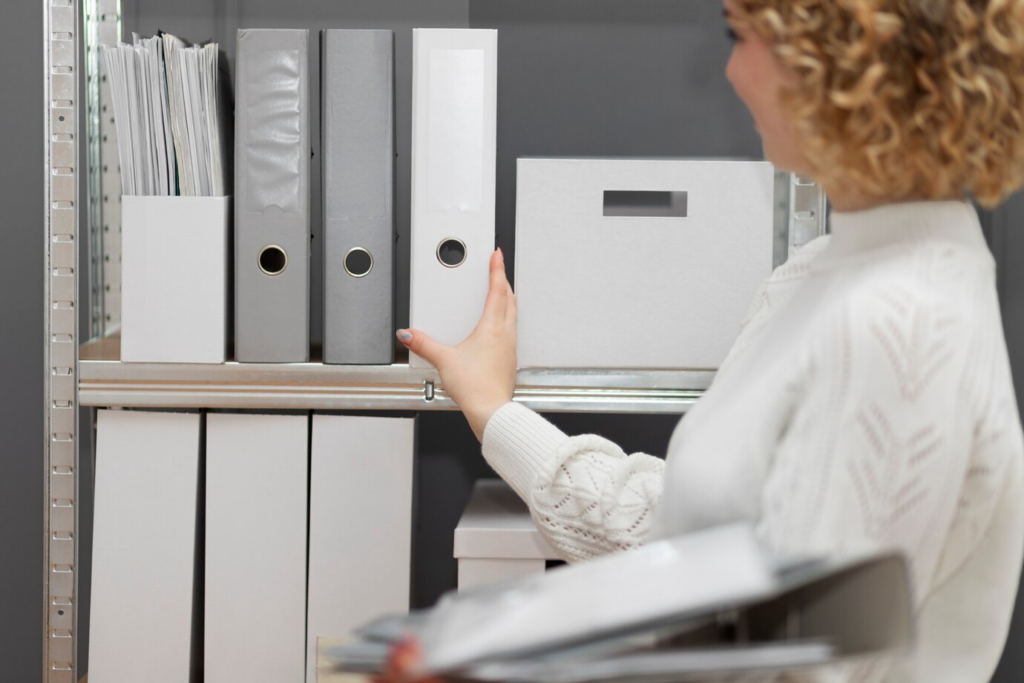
(903, 98)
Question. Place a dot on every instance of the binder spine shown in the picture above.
(357, 139)
(272, 235)
(455, 77)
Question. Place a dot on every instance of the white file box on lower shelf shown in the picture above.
(174, 279)
(146, 591)
(256, 526)
(360, 523)
(496, 540)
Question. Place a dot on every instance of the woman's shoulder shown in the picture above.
(915, 314)
(798, 264)
(925, 276)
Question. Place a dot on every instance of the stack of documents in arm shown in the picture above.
(171, 111)
(707, 604)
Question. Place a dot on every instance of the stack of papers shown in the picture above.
(708, 603)
(171, 114)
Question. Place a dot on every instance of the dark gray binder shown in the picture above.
(272, 196)
(358, 144)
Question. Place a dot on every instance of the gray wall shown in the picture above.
(576, 77)
(21, 337)
(1006, 238)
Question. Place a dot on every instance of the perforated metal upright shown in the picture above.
(102, 26)
(60, 448)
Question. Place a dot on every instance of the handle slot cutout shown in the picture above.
(645, 204)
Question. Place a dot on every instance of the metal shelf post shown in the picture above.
(60, 443)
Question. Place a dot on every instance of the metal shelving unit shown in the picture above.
(92, 374)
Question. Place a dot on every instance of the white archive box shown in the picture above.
(175, 272)
(638, 263)
(496, 539)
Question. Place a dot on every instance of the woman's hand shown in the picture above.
(480, 373)
(403, 660)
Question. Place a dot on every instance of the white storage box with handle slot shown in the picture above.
(496, 540)
(638, 263)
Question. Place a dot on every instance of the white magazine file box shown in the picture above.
(360, 523)
(454, 143)
(638, 263)
(256, 512)
(146, 587)
(175, 271)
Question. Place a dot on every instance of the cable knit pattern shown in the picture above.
(586, 496)
(866, 403)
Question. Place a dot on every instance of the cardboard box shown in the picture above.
(146, 589)
(175, 274)
(256, 526)
(638, 263)
(496, 540)
(360, 524)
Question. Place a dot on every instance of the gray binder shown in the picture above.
(357, 139)
(272, 234)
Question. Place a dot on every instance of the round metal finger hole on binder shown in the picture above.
(358, 262)
(272, 260)
(451, 252)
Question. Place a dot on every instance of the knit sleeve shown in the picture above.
(586, 495)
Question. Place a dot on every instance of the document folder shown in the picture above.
(144, 578)
(272, 235)
(256, 483)
(709, 603)
(360, 523)
(455, 79)
(358, 161)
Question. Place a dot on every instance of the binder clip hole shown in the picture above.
(358, 262)
(451, 253)
(273, 260)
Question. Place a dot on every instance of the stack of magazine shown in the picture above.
(173, 114)
(707, 604)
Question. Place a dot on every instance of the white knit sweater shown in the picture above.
(866, 402)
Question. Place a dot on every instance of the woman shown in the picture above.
(868, 399)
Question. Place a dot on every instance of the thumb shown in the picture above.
(423, 345)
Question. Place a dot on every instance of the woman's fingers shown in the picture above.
(424, 346)
(497, 293)
(403, 660)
